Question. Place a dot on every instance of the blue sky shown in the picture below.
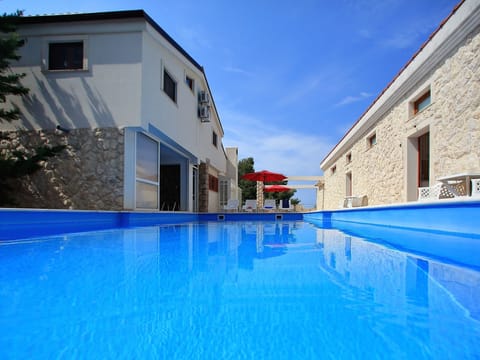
(288, 78)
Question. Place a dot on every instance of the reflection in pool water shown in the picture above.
(270, 290)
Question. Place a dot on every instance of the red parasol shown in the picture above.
(264, 176)
(276, 188)
(261, 177)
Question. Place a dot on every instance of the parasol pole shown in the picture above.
(259, 194)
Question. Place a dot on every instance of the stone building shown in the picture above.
(134, 110)
(424, 125)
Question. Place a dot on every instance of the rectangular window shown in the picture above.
(333, 169)
(65, 56)
(214, 139)
(424, 160)
(147, 172)
(348, 158)
(372, 140)
(223, 192)
(190, 82)
(212, 183)
(422, 102)
(348, 184)
(169, 86)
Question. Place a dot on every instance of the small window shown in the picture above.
(421, 103)
(348, 158)
(333, 169)
(214, 139)
(212, 183)
(65, 56)
(190, 82)
(372, 140)
(169, 86)
(223, 192)
(348, 184)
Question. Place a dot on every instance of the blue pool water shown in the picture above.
(235, 290)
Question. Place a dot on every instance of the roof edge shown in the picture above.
(118, 15)
(107, 15)
(414, 56)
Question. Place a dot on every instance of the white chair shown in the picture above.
(286, 205)
(429, 192)
(270, 204)
(232, 204)
(438, 191)
(475, 187)
(452, 191)
(250, 205)
(355, 201)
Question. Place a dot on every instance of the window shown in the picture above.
(421, 103)
(169, 86)
(333, 169)
(424, 160)
(146, 179)
(190, 82)
(348, 158)
(223, 192)
(372, 140)
(348, 184)
(212, 183)
(65, 56)
(214, 139)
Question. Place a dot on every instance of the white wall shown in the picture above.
(106, 94)
(159, 110)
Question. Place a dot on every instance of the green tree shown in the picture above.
(295, 201)
(9, 81)
(249, 188)
(16, 163)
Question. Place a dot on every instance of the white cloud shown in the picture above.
(194, 38)
(305, 87)
(272, 147)
(402, 40)
(275, 148)
(415, 30)
(365, 33)
(237, 70)
(352, 99)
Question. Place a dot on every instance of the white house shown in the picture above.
(134, 109)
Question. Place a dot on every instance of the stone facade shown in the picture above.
(87, 175)
(383, 172)
(457, 87)
(203, 187)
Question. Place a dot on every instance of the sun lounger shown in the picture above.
(286, 205)
(437, 191)
(270, 204)
(232, 205)
(250, 205)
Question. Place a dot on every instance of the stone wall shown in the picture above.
(87, 175)
(457, 88)
(203, 187)
(452, 119)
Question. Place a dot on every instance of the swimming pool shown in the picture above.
(237, 290)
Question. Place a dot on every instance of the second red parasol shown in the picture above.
(276, 188)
